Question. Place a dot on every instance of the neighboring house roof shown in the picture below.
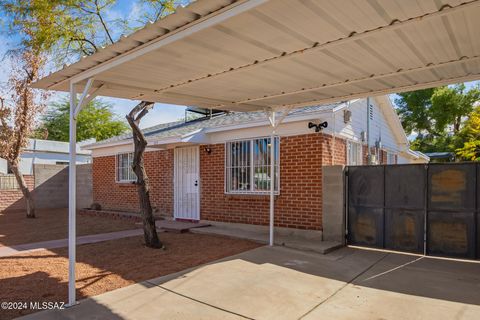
(417, 155)
(50, 146)
(440, 155)
(182, 128)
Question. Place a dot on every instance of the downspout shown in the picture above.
(369, 154)
(272, 177)
(334, 137)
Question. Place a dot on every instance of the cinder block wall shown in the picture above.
(334, 203)
(51, 185)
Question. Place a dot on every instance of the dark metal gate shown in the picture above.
(431, 209)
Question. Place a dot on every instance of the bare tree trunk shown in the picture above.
(143, 187)
(26, 193)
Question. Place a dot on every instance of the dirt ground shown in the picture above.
(42, 275)
(52, 224)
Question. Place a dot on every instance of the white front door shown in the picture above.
(187, 183)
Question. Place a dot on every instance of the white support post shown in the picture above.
(272, 176)
(72, 180)
(75, 108)
(274, 123)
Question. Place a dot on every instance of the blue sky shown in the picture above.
(161, 113)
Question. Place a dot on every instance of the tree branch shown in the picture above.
(87, 41)
(103, 22)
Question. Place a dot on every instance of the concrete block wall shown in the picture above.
(51, 186)
(334, 203)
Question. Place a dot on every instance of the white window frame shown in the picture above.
(251, 168)
(390, 157)
(131, 177)
(359, 153)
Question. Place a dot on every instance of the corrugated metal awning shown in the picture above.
(250, 55)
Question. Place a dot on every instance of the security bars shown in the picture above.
(248, 166)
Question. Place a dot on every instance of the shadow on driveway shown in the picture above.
(281, 283)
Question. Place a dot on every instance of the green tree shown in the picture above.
(471, 134)
(436, 115)
(96, 120)
(68, 29)
(413, 109)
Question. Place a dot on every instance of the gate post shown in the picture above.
(333, 204)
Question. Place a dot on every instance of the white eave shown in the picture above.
(200, 135)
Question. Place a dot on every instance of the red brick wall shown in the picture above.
(123, 196)
(13, 199)
(383, 157)
(299, 204)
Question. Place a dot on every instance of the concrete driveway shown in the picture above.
(281, 283)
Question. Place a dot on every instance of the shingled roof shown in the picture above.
(180, 128)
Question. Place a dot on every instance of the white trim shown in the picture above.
(348, 144)
(117, 179)
(252, 168)
(176, 190)
(228, 127)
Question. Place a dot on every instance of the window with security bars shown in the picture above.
(247, 166)
(390, 158)
(354, 154)
(124, 168)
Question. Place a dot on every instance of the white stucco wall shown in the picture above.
(28, 159)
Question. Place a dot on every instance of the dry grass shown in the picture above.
(52, 224)
(105, 266)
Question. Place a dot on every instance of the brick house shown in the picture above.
(217, 168)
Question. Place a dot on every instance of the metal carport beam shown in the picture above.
(75, 108)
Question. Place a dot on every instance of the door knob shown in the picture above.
(196, 183)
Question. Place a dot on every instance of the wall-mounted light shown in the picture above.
(318, 127)
(208, 150)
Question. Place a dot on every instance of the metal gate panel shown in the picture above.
(451, 234)
(451, 217)
(366, 199)
(405, 204)
(366, 184)
(404, 230)
(401, 207)
(366, 226)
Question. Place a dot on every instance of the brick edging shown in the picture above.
(135, 217)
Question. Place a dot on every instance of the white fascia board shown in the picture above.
(199, 136)
(261, 123)
(393, 119)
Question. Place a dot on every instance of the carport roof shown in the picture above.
(250, 55)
